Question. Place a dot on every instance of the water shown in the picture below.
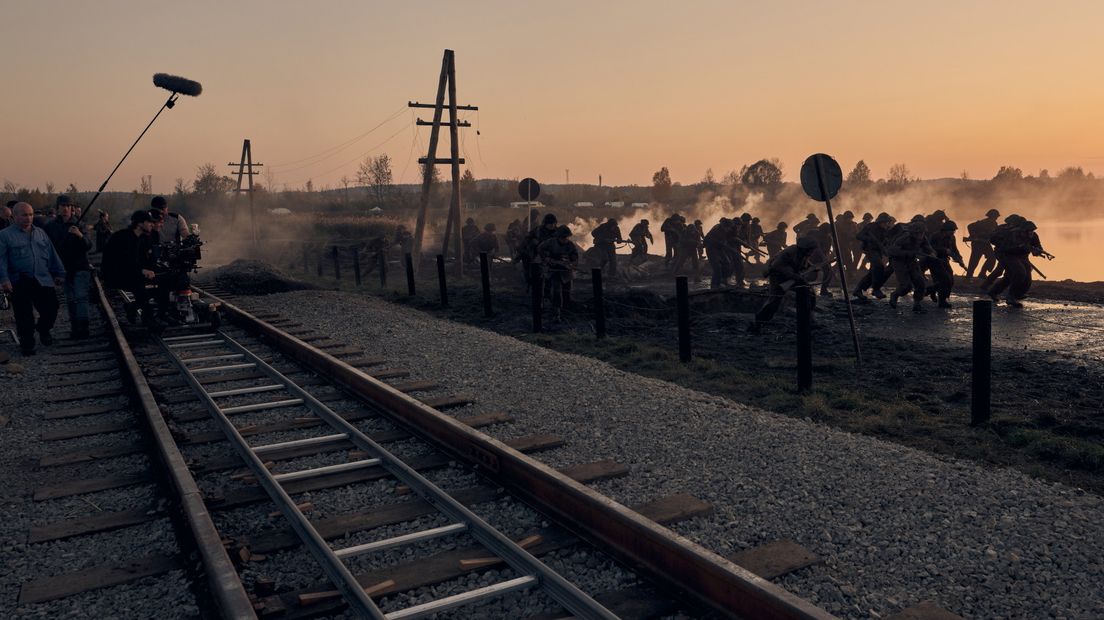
(1078, 247)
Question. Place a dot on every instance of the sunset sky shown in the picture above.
(611, 88)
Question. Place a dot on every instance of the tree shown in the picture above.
(1044, 175)
(661, 185)
(731, 178)
(375, 172)
(898, 175)
(1071, 174)
(709, 181)
(181, 186)
(49, 187)
(209, 183)
(309, 186)
(964, 175)
(345, 183)
(468, 186)
(765, 174)
(10, 187)
(146, 184)
(859, 175)
(1008, 173)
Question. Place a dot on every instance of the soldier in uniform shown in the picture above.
(467, 239)
(689, 245)
(513, 237)
(528, 250)
(785, 271)
(1014, 253)
(934, 222)
(755, 238)
(775, 240)
(560, 256)
(404, 239)
(809, 225)
(487, 242)
(980, 247)
(904, 253)
(606, 237)
(716, 250)
(670, 236)
(874, 240)
(640, 236)
(946, 248)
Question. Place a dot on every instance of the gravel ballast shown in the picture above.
(895, 526)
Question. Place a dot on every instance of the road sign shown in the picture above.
(529, 189)
(821, 177)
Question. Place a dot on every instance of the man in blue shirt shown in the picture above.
(29, 270)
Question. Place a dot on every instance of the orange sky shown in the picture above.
(611, 88)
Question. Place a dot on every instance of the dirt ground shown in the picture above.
(913, 386)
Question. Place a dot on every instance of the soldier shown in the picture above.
(560, 256)
(467, 239)
(513, 237)
(904, 252)
(874, 239)
(785, 271)
(934, 222)
(376, 252)
(716, 250)
(807, 226)
(487, 242)
(825, 256)
(640, 236)
(846, 230)
(689, 246)
(734, 244)
(980, 247)
(606, 237)
(755, 239)
(528, 250)
(404, 239)
(670, 236)
(1014, 253)
(775, 240)
(946, 249)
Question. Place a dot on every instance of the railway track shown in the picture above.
(274, 439)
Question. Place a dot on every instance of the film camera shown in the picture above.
(175, 261)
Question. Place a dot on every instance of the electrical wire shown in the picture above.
(358, 157)
(334, 150)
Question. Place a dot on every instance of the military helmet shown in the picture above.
(1029, 225)
(992, 213)
(917, 218)
(884, 217)
(949, 225)
(782, 225)
(1014, 219)
(643, 221)
(746, 217)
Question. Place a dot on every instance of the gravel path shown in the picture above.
(895, 526)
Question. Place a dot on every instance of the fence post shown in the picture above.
(383, 268)
(337, 264)
(981, 381)
(536, 285)
(485, 276)
(599, 303)
(682, 292)
(306, 266)
(356, 264)
(804, 338)
(321, 260)
(409, 260)
(441, 280)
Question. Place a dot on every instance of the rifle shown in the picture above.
(1036, 270)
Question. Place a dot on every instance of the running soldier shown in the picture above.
(669, 228)
(487, 242)
(904, 253)
(467, 240)
(639, 236)
(980, 233)
(809, 225)
(560, 256)
(786, 270)
(690, 242)
(404, 239)
(606, 237)
(513, 237)
(874, 240)
(527, 252)
(775, 240)
(1014, 253)
(946, 248)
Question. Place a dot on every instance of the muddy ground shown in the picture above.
(913, 386)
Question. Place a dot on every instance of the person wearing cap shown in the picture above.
(73, 247)
(946, 249)
(980, 233)
(934, 223)
(468, 234)
(808, 226)
(30, 268)
(58, 227)
(123, 266)
(560, 257)
(904, 253)
(486, 242)
(874, 240)
(785, 271)
(640, 235)
(775, 240)
(175, 226)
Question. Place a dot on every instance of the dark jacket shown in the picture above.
(122, 266)
(74, 253)
(789, 264)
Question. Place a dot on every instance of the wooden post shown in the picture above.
(383, 268)
(804, 338)
(982, 375)
(456, 208)
(321, 260)
(682, 292)
(536, 287)
(337, 265)
(599, 303)
(356, 264)
(441, 280)
(485, 277)
(409, 260)
(427, 176)
(306, 267)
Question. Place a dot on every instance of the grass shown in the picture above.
(903, 410)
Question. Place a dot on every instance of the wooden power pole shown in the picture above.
(245, 170)
(447, 82)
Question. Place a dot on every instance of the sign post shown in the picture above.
(529, 190)
(822, 178)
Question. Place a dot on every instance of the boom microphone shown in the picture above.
(177, 84)
(172, 83)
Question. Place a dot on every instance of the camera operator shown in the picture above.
(176, 227)
(123, 266)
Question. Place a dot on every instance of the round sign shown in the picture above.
(821, 177)
(529, 189)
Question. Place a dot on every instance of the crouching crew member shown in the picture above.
(123, 266)
(785, 271)
(29, 269)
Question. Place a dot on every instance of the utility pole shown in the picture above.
(447, 82)
(567, 176)
(245, 170)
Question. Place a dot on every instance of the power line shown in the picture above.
(326, 154)
(358, 157)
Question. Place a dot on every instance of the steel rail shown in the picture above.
(672, 561)
(560, 589)
(223, 582)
